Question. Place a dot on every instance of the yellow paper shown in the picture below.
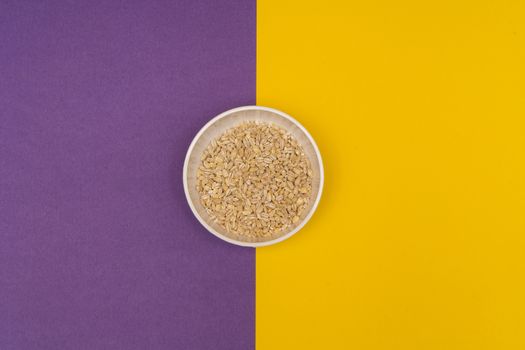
(418, 109)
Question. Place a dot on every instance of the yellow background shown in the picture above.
(418, 109)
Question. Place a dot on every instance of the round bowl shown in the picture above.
(216, 127)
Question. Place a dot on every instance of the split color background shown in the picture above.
(419, 112)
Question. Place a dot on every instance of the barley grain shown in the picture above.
(255, 181)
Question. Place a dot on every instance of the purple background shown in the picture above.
(98, 104)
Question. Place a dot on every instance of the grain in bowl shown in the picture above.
(244, 184)
(255, 181)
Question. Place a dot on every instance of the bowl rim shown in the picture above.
(211, 229)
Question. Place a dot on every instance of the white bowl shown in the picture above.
(216, 127)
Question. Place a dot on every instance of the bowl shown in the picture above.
(216, 127)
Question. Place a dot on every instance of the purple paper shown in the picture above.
(98, 104)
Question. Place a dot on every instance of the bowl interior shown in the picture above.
(217, 128)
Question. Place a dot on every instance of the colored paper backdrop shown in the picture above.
(418, 110)
(98, 104)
